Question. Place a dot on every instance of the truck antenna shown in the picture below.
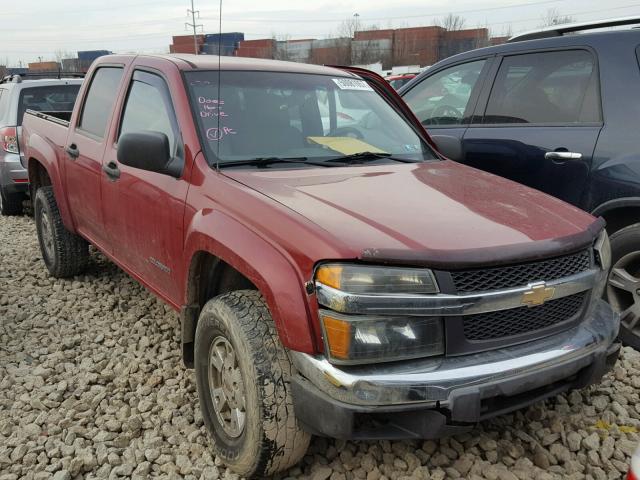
(219, 79)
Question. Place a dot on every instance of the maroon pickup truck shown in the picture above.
(333, 277)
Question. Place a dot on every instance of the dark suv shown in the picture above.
(555, 112)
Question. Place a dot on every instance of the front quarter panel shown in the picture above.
(217, 233)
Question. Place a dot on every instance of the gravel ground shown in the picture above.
(92, 386)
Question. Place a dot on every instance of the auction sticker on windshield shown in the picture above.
(352, 84)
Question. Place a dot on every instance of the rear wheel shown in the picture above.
(64, 253)
(243, 377)
(10, 203)
(623, 285)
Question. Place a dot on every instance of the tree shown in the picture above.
(451, 23)
(553, 17)
(349, 26)
(451, 43)
(282, 52)
(61, 54)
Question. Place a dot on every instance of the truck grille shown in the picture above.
(479, 280)
(521, 320)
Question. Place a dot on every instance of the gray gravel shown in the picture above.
(92, 386)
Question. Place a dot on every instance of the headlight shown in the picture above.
(365, 279)
(603, 250)
(353, 339)
(367, 339)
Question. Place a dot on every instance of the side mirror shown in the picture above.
(148, 151)
(449, 146)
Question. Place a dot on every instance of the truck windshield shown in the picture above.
(266, 115)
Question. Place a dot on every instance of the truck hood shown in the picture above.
(436, 213)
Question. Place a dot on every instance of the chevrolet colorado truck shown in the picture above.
(332, 279)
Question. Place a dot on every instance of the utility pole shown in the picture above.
(193, 24)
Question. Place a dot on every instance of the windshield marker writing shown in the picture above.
(215, 134)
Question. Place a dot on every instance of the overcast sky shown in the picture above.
(40, 28)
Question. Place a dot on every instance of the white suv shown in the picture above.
(53, 96)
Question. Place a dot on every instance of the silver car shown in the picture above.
(54, 96)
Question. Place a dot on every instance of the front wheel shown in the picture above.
(243, 378)
(623, 285)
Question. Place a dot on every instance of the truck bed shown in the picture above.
(61, 117)
(51, 126)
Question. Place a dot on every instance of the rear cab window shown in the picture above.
(556, 87)
(48, 99)
(99, 101)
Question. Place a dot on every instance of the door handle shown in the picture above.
(562, 156)
(72, 151)
(112, 171)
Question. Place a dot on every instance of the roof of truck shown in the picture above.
(211, 62)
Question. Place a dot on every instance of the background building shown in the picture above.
(421, 46)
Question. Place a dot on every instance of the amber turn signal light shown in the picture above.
(330, 275)
(338, 334)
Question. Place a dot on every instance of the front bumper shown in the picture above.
(433, 397)
(13, 176)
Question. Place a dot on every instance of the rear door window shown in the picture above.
(49, 99)
(559, 87)
(100, 100)
(444, 98)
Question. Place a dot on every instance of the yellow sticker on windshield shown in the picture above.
(345, 145)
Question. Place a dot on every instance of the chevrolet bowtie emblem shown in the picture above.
(537, 295)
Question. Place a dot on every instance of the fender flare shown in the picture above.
(41, 151)
(609, 205)
(266, 266)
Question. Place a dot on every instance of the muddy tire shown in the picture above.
(10, 203)
(243, 377)
(64, 253)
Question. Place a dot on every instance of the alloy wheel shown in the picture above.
(623, 291)
(227, 387)
(46, 231)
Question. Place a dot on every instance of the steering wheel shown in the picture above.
(346, 132)
(446, 111)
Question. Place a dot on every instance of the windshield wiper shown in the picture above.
(361, 157)
(265, 161)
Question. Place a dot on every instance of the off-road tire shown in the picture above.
(272, 439)
(69, 253)
(625, 242)
(10, 203)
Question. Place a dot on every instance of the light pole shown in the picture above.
(194, 26)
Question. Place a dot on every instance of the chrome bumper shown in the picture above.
(439, 381)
